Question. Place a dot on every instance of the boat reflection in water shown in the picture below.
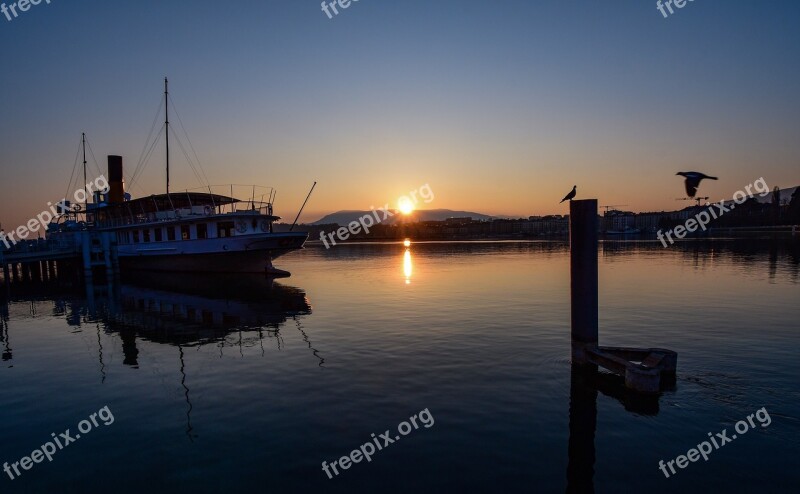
(194, 309)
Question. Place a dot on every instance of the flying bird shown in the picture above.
(693, 181)
(571, 195)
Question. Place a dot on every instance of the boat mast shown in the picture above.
(85, 190)
(166, 124)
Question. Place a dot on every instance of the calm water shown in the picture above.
(233, 385)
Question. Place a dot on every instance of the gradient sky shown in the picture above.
(500, 106)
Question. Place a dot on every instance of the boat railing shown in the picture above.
(206, 201)
(50, 244)
(249, 197)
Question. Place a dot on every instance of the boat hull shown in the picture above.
(243, 254)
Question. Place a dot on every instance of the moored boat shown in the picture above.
(180, 231)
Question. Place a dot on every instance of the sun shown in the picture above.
(405, 206)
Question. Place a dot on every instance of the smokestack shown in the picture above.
(117, 193)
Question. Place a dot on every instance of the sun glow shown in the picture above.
(405, 206)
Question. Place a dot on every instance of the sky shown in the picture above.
(500, 107)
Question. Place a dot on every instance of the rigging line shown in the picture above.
(149, 135)
(144, 155)
(139, 170)
(197, 159)
(149, 154)
(74, 167)
(91, 152)
(188, 160)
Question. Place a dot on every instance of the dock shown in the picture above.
(87, 251)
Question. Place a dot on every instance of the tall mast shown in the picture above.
(166, 123)
(85, 191)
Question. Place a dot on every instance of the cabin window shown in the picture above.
(145, 236)
(185, 233)
(170, 233)
(202, 230)
(159, 235)
(225, 229)
(136, 236)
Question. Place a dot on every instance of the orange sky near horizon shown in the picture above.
(500, 110)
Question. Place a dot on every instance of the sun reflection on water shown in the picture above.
(407, 267)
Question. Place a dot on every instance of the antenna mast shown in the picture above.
(166, 123)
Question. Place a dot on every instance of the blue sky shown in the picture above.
(500, 106)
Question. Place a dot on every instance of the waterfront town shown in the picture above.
(778, 211)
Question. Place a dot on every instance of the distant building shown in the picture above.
(650, 222)
(459, 221)
(545, 225)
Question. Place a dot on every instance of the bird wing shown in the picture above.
(691, 186)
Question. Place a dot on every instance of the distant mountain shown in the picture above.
(345, 217)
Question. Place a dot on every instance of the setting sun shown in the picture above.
(405, 205)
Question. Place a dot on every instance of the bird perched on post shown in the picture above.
(693, 181)
(571, 195)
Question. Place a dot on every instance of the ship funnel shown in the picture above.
(116, 195)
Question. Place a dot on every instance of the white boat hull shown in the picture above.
(238, 254)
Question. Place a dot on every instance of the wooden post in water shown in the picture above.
(642, 368)
(583, 243)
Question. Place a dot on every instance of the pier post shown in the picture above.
(115, 256)
(583, 242)
(36, 271)
(86, 244)
(642, 368)
(105, 239)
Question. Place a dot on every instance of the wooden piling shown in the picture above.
(645, 369)
(583, 241)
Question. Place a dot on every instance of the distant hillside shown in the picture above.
(345, 217)
(786, 196)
